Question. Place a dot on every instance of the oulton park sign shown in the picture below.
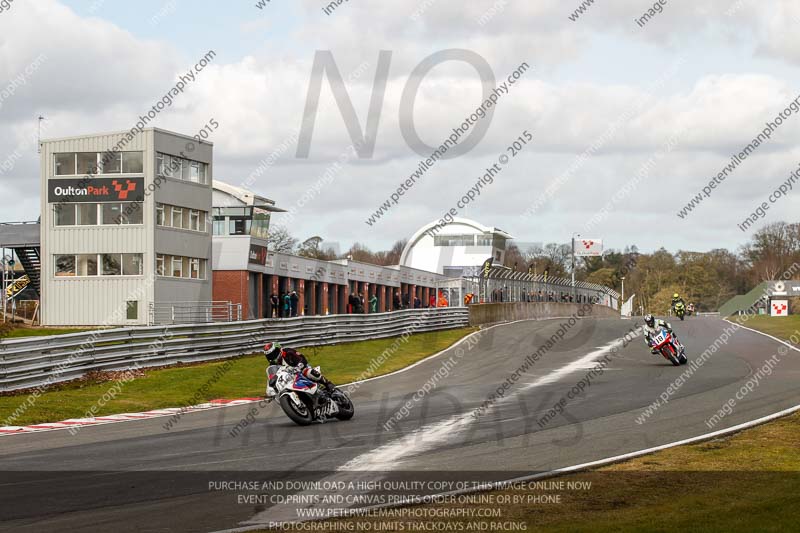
(95, 190)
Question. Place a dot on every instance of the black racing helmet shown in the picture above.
(650, 320)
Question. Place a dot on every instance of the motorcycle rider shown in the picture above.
(277, 355)
(653, 327)
(676, 299)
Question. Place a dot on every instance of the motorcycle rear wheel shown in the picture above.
(346, 408)
(301, 417)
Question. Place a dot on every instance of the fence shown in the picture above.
(32, 362)
(193, 313)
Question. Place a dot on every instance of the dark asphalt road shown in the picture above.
(139, 477)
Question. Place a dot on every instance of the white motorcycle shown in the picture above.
(305, 401)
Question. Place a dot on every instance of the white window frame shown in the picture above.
(172, 264)
(173, 211)
(194, 219)
(194, 267)
(161, 215)
(160, 265)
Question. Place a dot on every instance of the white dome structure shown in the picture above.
(454, 249)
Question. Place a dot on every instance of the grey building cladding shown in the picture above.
(106, 256)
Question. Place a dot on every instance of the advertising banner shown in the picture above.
(779, 308)
(258, 255)
(95, 190)
(588, 247)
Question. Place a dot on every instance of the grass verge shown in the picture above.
(745, 482)
(245, 377)
(786, 328)
(24, 331)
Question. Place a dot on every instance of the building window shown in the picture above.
(454, 240)
(112, 214)
(132, 310)
(93, 163)
(132, 213)
(177, 217)
(87, 265)
(132, 163)
(194, 172)
(65, 164)
(484, 240)
(111, 264)
(219, 226)
(177, 267)
(171, 216)
(132, 265)
(194, 268)
(65, 265)
(194, 220)
(240, 226)
(181, 169)
(181, 267)
(112, 163)
(499, 242)
(65, 215)
(87, 163)
(87, 214)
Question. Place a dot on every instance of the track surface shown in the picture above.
(139, 477)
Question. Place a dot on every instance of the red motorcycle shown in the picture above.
(666, 343)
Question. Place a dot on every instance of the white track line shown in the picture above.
(575, 468)
(792, 346)
(386, 457)
(499, 485)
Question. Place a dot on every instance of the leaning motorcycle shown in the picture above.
(305, 401)
(680, 310)
(666, 344)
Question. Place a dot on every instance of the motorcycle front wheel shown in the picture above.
(671, 356)
(302, 416)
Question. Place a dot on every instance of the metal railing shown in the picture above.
(33, 362)
(161, 314)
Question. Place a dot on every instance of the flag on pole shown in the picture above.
(487, 266)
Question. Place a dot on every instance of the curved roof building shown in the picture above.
(456, 248)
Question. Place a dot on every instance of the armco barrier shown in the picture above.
(507, 312)
(36, 361)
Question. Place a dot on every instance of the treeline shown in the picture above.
(709, 279)
(280, 240)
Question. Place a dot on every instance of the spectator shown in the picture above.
(287, 305)
(373, 304)
(275, 305)
(417, 302)
(432, 302)
(360, 304)
(352, 303)
(293, 299)
(396, 301)
(406, 300)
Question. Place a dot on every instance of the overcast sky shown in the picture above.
(657, 111)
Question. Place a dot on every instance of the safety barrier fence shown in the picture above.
(37, 361)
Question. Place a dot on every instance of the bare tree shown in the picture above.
(280, 240)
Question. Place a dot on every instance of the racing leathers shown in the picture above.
(293, 358)
(652, 331)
